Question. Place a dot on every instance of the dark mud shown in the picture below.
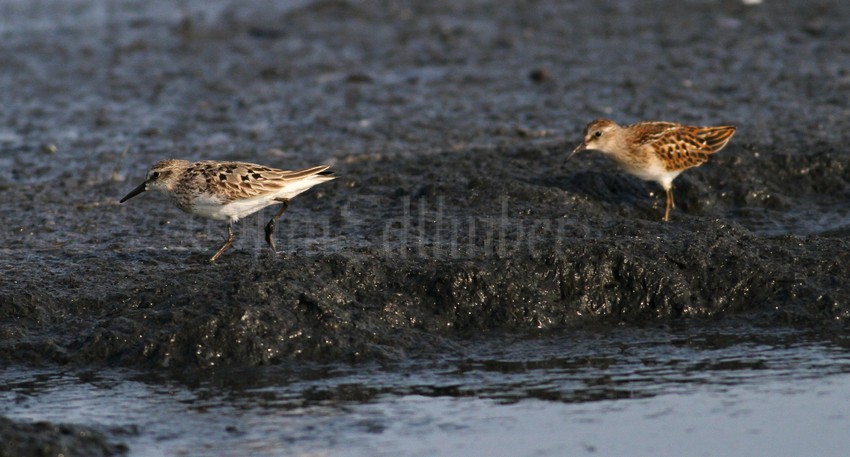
(447, 123)
(47, 439)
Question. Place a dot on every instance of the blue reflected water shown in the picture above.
(691, 391)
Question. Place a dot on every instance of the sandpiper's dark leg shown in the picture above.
(227, 243)
(271, 224)
(670, 204)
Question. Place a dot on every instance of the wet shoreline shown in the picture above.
(453, 217)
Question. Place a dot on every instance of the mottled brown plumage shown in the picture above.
(229, 190)
(655, 151)
(232, 181)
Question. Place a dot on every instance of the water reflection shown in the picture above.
(520, 393)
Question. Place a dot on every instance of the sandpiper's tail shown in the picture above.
(321, 170)
(301, 180)
(716, 137)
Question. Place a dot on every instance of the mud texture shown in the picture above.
(46, 439)
(447, 123)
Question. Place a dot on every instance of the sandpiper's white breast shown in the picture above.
(652, 169)
(212, 208)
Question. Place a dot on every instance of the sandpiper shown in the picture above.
(655, 151)
(229, 190)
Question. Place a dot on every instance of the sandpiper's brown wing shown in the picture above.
(650, 132)
(239, 180)
(715, 138)
(682, 146)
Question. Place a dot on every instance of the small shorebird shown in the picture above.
(655, 151)
(229, 190)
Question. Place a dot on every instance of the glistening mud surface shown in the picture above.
(447, 123)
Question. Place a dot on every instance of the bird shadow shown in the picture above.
(631, 194)
(606, 187)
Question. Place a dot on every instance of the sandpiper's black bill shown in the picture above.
(135, 192)
(578, 149)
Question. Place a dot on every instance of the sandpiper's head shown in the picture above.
(597, 136)
(162, 176)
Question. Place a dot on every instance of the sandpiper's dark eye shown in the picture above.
(598, 133)
(155, 175)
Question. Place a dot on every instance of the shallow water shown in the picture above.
(654, 391)
(452, 216)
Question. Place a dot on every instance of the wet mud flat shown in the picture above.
(453, 218)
